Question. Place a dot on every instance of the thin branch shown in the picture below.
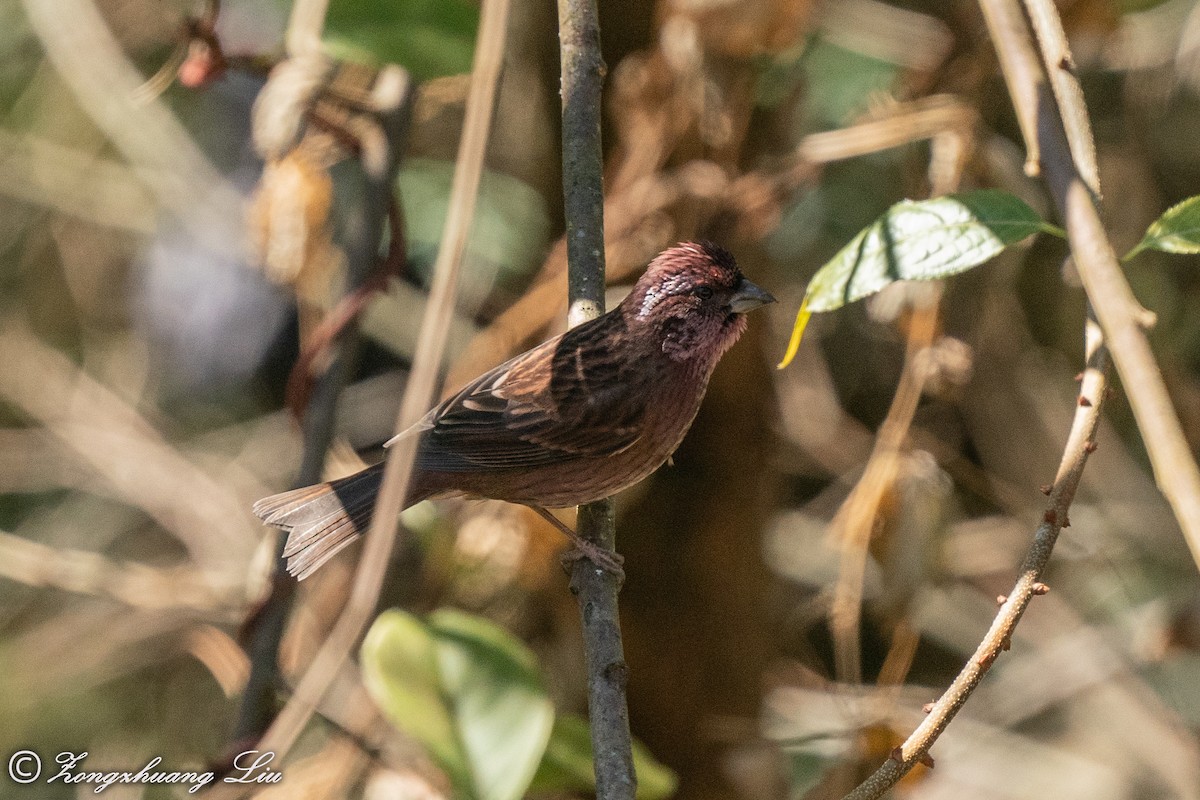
(1060, 66)
(1080, 443)
(1118, 311)
(380, 538)
(1092, 252)
(1022, 73)
(583, 166)
(854, 522)
(583, 194)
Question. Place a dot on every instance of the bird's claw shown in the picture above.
(607, 560)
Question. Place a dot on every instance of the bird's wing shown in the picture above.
(576, 396)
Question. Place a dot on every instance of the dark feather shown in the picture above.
(571, 397)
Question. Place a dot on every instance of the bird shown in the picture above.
(575, 419)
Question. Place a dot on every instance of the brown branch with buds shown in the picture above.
(1074, 184)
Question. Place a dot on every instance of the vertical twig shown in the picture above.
(1060, 66)
(583, 72)
(583, 195)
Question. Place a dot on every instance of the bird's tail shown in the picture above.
(320, 520)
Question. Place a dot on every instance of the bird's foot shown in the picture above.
(606, 560)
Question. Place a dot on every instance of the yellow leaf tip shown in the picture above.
(793, 347)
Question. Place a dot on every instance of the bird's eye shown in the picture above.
(704, 292)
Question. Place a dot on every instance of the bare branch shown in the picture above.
(1040, 122)
(1118, 311)
(582, 76)
(1080, 444)
(1060, 66)
(583, 193)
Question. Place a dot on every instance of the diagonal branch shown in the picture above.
(380, 538)
(1048, 148)
(1121, 316)
(1080, 443)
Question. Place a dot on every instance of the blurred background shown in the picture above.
(159, 292)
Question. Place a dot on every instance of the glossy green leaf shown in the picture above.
(1176, 231)
(922, 241)
(917, 240)
(467, 690)
(567, 765)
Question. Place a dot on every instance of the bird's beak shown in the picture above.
(748, 297)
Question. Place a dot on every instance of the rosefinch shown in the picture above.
(576, 419)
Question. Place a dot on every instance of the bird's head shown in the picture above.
(692, 298)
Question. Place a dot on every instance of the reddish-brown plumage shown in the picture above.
(573, 420)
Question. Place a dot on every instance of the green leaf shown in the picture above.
(567, 765)
(922, 241)
(509, 234)
(500, 705)
(401, 671)
(428, 37)
(1176, 231)
(917, 241)
(466, 689)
